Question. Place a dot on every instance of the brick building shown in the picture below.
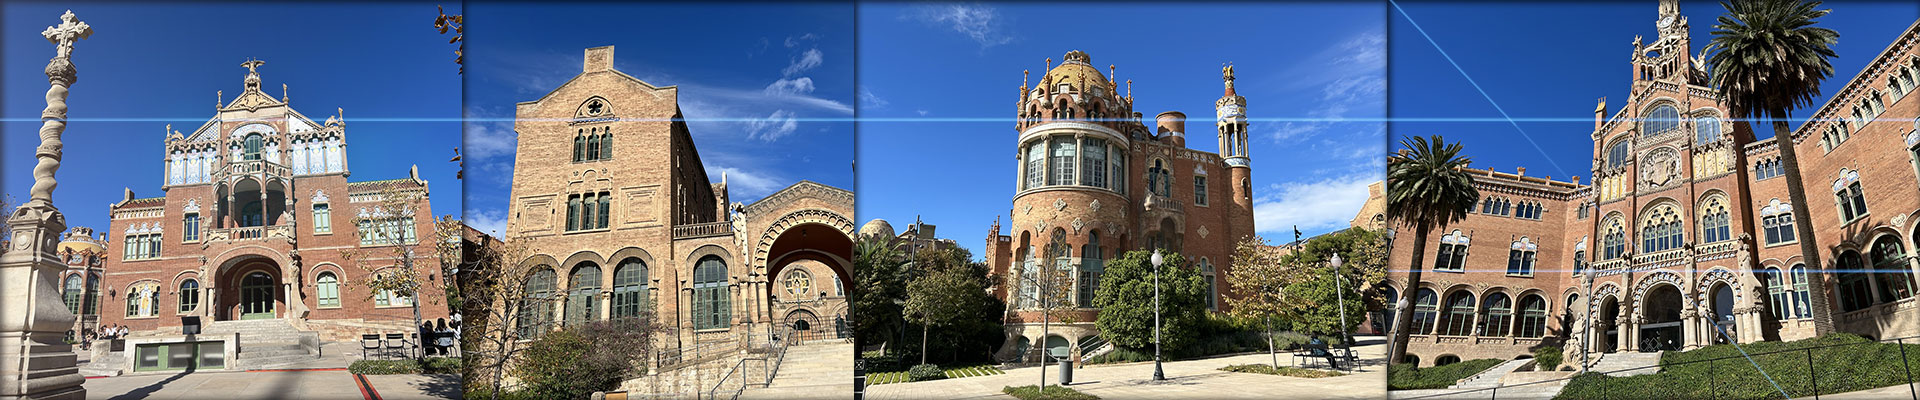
(611, 196)
(1093, 173)
(1686, 237)
(255, 222)
(86, 256)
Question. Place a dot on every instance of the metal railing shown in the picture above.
(697, 353)
(770, 364)
(1798, 378)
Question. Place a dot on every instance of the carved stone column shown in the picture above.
(35, 361)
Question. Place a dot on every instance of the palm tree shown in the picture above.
(1428, 187)
(1770, 59)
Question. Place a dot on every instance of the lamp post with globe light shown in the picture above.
(1339, 291)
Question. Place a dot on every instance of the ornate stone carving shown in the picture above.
(1659, 167)
(1094, 206)
(1059, 205)
(1077, 224)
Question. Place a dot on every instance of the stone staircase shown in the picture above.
(108, 365)
(268, 343)
(1490, 377)
(811, 371)
(1624, 360)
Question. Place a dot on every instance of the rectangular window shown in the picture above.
(322, 219)
(190, 229)
(329, 294)
(573, 212)
(590, 211)
(1062, 161)
(1120, 172)
(1093, 163)
(1036, 165)
(605, 198)
(1200, 190)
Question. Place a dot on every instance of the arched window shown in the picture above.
(1660, 231)
(1213, 285)
(583, 300)
(798, 284)
(92, 305)
(254, 143)
(1459, 318)
(1890, 270)
(250, 214)
(1617, 154)
(1777, 293)
(1389, 298)
(1714, 223)
(1776, 221)
(1036, 164)
(1851, 200)
(1062, 168)
(1092, 264)
(1533, 316)
(606, 143)
(536, 303)
(710, 308)
(629, 288)
(1662, 119)
(1706, 129)
(189, 296)
(1800, 300)
(328, 289)
(73, 293)
(1425, 311)
(580, 145)
(1856, 291)
(1453, 252)
(1498, 316)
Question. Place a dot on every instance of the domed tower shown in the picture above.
(1075, 131)
(1231, 111)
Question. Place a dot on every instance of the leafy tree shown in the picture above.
(1256, 280)
(573, 363)
(877, 284)
(494, 276)
(1312, 306)
(389, 250)
(1767, 58)
(951, 289)
(1427, 188)
(1125, 299)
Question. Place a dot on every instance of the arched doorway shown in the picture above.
(1722, 313)
(1661, 311)
(802, 322)
(802, 260)
(1609, 340)
(257, 295)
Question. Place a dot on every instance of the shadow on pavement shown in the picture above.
(445, 386)
(148, 390)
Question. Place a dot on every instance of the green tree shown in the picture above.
(1767, 58)
(1125, 299)
(597, 356)
(950, 290)
(1427, 188)
(1256, 281)
(877, 284)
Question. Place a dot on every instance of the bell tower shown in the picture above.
(1231, 117)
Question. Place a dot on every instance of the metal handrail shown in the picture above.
(771, 364)
(1900, 341)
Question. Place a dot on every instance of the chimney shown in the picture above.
(1599, 114)
(1522, 171)
(1172, 127)
(1576, 179)
(598, 59)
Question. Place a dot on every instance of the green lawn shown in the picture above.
(1860, 365)
(882, 378)
(1405, 376)
(1282, 371)
(1052, 392)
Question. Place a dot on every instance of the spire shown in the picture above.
(1226, 73)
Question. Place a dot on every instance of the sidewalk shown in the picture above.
(1193, 379)
(310, 384)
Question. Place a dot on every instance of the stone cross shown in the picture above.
(63, 35)
(60, 73)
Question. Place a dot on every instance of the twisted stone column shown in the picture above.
(35, 363)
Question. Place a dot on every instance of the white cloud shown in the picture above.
(809, 59)
(487, 135)
(790, 87)
(976, 21)
(491, 222)
(780, 123)
(1313, 206)
(744, 185)
(923, 113)
(870, 100)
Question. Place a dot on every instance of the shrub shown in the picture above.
(1406, 376)
(1289, 340)
(441, 365)
(925, 372)
(582, 359)
(384, 367)
(1853, 363)
(1546, 358)
(1050, 393)
(1122, 355)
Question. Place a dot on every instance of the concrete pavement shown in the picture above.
(307, 384)
(1192, 379)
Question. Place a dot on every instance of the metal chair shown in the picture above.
(370, 341)
(395, 341)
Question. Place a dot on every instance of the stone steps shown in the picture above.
(1619, 361)
(1490, 377)
(105, 366)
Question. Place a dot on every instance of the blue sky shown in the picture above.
(939, 81)
(1554, 61)
(768, 89)
(151, 64)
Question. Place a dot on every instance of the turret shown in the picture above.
(1171, 127)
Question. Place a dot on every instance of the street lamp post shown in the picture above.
(1158, 374)
(1339, 292)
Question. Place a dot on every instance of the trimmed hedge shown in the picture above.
(435, 365)
(1859, 364)
(1282, 371)
(1546, 358)
(1050, 393)
(1406, 376)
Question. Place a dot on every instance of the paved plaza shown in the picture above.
(303, 384)
(1193, 379)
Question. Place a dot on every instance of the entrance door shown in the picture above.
(256, 296)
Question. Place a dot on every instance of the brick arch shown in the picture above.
(1647, 284)
(764, 245)
(1714, 275)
